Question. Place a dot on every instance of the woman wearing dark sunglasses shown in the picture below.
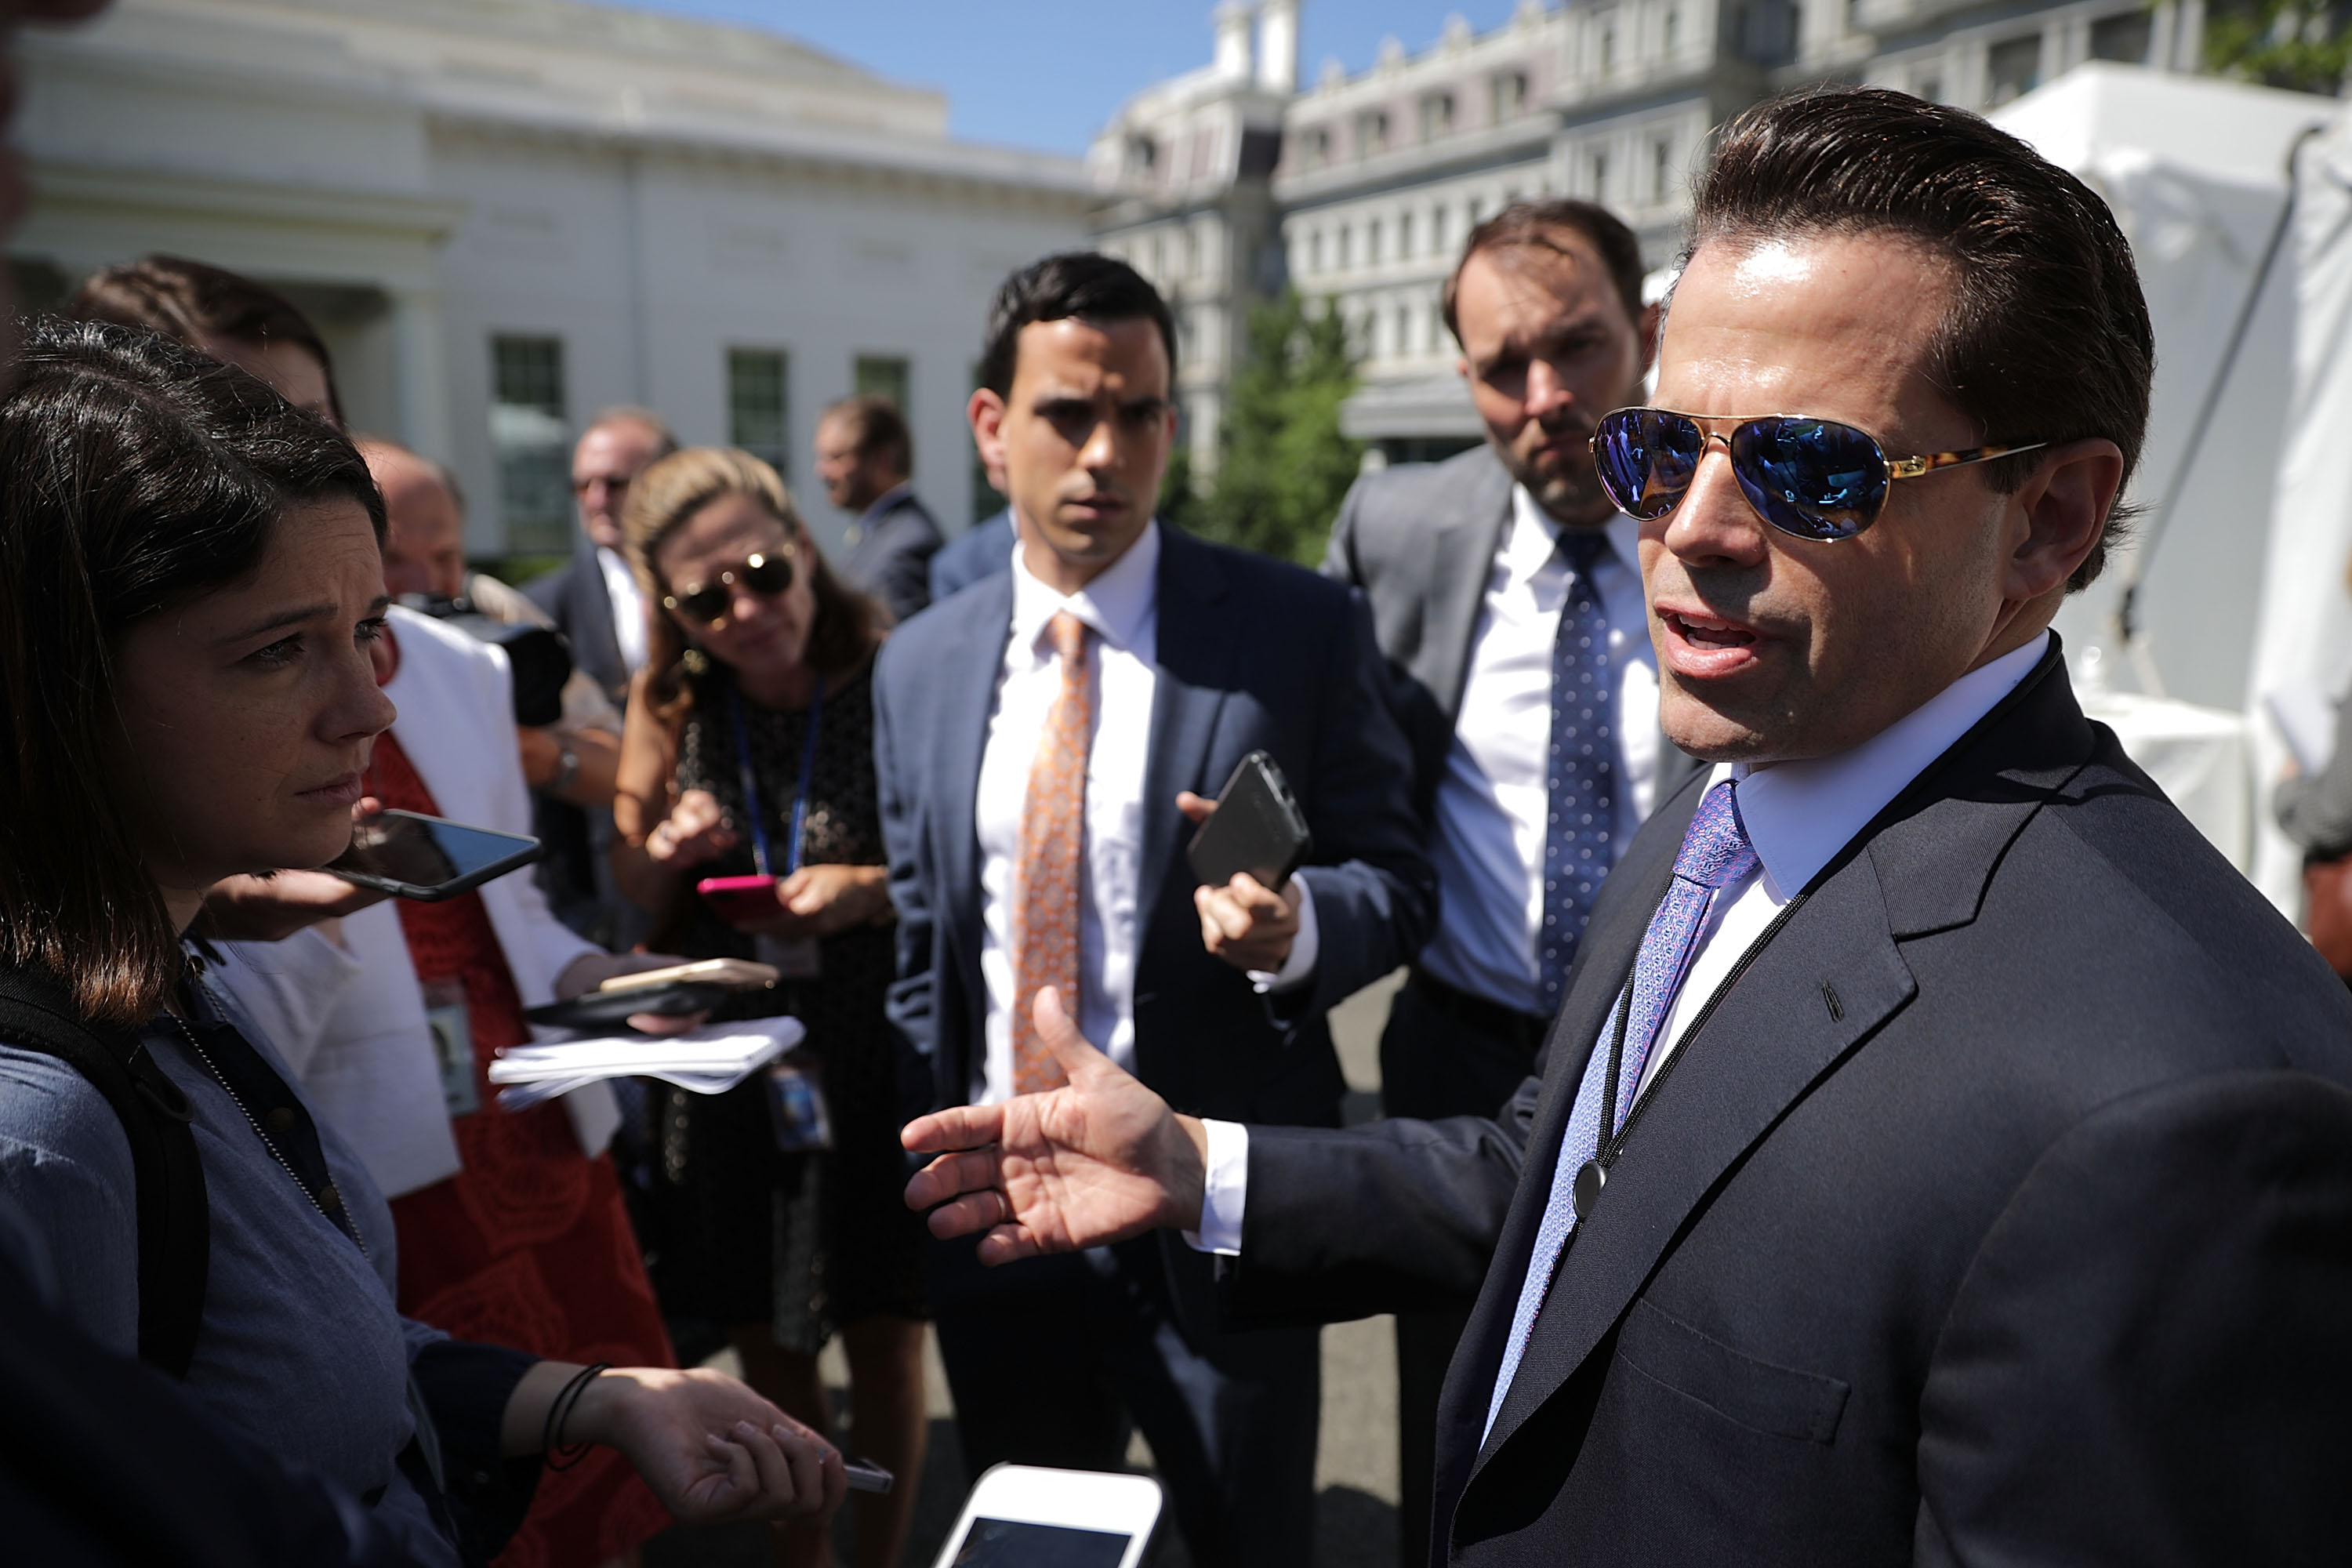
(750, 754)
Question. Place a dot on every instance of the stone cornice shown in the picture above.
(1522, 139)
(396, 216)
(939, 167)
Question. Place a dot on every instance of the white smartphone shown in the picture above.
(1022, 1516)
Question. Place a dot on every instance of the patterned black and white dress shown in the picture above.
(739, 1232)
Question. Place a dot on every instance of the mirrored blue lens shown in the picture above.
(1646, 459)
(1811, 477)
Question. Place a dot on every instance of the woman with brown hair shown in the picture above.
(510, 1222)
(190, 596)
(750, 753)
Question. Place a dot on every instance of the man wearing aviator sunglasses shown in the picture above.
(1941, 1154)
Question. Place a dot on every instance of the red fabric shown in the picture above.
(529, 1245)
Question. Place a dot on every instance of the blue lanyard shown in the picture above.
(751, 785)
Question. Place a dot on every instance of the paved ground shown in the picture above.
(1356, 1467)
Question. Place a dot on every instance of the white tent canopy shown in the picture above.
(2196, 170)
(2303, 635)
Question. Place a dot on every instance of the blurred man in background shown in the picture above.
(594, 602)
(572, 759)
(865, 460)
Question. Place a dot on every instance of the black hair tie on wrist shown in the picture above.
(558, 1411)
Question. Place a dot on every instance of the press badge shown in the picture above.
(797, 1108)
(452, 1046)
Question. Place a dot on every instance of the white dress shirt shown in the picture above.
(1797, 816)
(1487, 843)
(629, 608)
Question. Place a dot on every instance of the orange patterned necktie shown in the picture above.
(1045, 879)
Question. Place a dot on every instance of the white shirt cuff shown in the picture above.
(1224, 1190)
(1299, 967)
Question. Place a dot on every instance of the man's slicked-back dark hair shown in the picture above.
(2047, 337)
(141, 475)
(1085, 284)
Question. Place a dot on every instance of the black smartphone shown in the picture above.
(1257, 828)
(602, 1009)
(429, 858)
(671, 993)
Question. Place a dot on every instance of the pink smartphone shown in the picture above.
(740, 900)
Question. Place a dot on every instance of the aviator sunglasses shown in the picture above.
(708, 603)
(1815, 478)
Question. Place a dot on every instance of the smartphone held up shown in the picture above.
(428, 858)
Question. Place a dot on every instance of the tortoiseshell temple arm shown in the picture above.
(1912, 468)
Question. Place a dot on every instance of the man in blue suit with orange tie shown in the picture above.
(1044, 743)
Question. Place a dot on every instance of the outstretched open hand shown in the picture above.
(1097, 1161)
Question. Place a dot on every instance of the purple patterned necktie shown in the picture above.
(1715, 855)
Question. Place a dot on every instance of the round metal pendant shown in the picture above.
(1589, 1179)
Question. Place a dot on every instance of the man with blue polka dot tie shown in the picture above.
(1507, 593)
(1581, 781)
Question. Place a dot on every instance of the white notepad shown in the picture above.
(708, 1060)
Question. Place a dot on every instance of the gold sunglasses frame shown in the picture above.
(675, 602)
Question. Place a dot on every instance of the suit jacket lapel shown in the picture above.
(966, 703)
(601, 652)
(1773, 1034)
(1194, 670)
(1461, 556)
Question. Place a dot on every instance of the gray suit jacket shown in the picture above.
(1417, 541)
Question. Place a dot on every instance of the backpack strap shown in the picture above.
(174, 1218)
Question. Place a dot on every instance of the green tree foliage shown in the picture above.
(1283, 465)
(1181, 505)
(2303, 45)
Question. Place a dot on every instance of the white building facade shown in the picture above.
(506, 216)
(1381, 175)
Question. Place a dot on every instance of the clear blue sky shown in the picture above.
(1047, 73)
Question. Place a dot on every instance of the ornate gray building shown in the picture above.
(1223, 184)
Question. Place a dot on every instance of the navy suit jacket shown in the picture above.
(981, 551)
(1998, 1210)
(892, 557)
(577, 600)
(1254, 654)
